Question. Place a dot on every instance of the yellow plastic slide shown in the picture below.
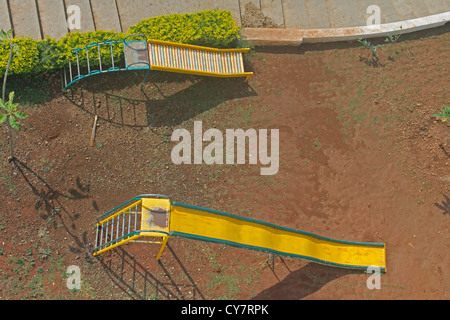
(156, 216)
(220, 227)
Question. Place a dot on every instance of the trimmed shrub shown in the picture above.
(25, 59)
(212, 28)
(81, 40)
(49, 54)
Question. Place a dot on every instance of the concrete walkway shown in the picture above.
(41, 18)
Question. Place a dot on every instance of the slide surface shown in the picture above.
(215, 226)
(184, 58)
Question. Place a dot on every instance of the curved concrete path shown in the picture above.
(41, 18)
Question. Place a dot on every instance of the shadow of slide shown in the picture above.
(204, 94)
(303, 282)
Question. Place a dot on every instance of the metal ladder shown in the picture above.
(123, 224)
(135, 61)
(118, 227)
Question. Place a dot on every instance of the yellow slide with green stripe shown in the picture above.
(220, 227)
(157, 216)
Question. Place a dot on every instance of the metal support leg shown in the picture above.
(145, 79)
(162, 248)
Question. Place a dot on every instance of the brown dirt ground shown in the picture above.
(361, 159)
(254, 18)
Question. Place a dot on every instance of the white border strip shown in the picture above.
(347, 34)
(294, 37)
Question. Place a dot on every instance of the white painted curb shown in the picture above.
(294, 37)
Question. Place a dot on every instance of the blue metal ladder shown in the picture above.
(136, 57)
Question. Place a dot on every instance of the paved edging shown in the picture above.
(41, 18)
(295, 37)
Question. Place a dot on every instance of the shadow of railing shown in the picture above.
(156, 108)
(141, 284)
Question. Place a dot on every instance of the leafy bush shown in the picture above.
(212, 28)
(26, 58)
(49, 54)
(81, 40)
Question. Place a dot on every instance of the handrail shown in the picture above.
(126, 238)
(137, 198)
(94, 44)
(106, 244)
(134, 204)
(132, 237)
(136, 63)
(110, 43)
(135, 35)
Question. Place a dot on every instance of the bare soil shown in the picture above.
(361, 159)
(254, 18)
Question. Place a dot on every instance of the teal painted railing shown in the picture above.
(70, 77)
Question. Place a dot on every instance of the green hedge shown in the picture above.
(212, 28)
(215, 28)
(26, 56)
(80, 40)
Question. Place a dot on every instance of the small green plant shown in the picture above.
(10, 118)
(12, 112)
(10, 107)
(369, 46)
(7, 37)
(317, 144)
(444, 115)
(45, 253)
(393, 38)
